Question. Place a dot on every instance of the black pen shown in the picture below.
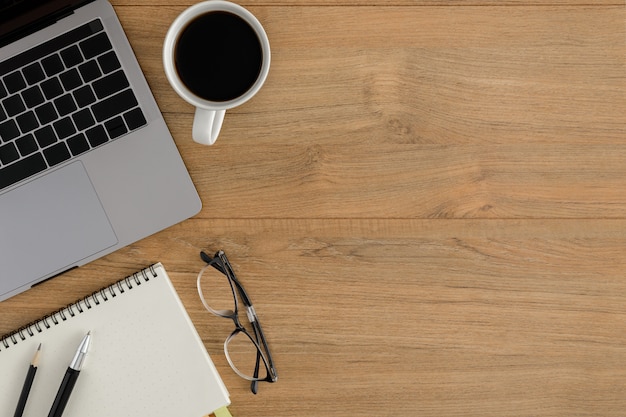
(28, 382)
(71, 375)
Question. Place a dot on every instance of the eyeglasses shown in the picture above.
(246, 348)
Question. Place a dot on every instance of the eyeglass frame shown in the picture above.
(220, 262)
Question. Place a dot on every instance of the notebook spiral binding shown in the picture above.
(104, 294)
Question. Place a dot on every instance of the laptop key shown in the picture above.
(22, 169)
(96, 136)
(14, 82)
(64, 128)
(84, 96)
(83, 119)
(114, 105)
(95, 45)
(27, 121)
(52, 65)
(65, 104)
(70, 79)
(90, 71)
(135, 118)
(32, 97)
(109, 62)
(8, 153)
(110, 84)
(33, 73)
(78, 144)
(115, 127)
(71, 56)
(57, 154)
(14, 105)
(45, 136)
(46, 113)
(9, 130)
(26, 145)
(52, 88)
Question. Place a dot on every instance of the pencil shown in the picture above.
(30, 377)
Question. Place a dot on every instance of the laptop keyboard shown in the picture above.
(61, 99)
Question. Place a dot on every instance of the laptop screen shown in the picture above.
(21, 17)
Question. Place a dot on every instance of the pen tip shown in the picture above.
(39, 347)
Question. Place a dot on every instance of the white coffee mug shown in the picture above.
(210, 111)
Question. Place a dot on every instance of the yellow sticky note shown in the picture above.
(222, 412)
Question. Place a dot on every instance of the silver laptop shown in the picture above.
(87, 164)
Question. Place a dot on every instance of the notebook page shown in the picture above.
(145, 358)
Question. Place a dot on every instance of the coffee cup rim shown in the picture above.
(176, 29)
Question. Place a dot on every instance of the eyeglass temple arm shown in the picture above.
(217, 264)
(254, 385)
(209, 260)
(214, 262)
(258, 334)
(260, 337)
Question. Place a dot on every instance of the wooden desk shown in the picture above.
(426, 201)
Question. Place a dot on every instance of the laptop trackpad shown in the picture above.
(50, 225)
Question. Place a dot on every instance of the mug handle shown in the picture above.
(207, 125)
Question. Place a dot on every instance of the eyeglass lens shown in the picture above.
(244, 355)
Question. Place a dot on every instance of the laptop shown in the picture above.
(87, 164)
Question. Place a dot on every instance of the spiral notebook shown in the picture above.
(145, 358)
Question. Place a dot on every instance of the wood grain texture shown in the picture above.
(419, 317)
(469, 112)
(426, 203)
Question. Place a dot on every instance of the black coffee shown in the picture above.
(218, 56)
